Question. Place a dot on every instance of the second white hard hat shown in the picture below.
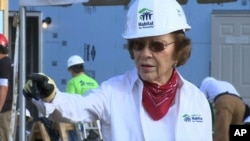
(153, 18)
(28, 115)
(74, 60)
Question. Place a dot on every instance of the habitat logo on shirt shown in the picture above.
(192, 118)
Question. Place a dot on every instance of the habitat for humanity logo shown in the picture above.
(145, 16)
(192, 118)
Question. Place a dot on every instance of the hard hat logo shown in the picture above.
(145, 15)
(154, 18)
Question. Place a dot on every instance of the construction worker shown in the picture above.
(151, 102)
(6, 88)
(80, 83)
(229, 108)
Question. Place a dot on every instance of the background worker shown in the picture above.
(80, 83)
(151, 102)
(228, 106)
(6, 88)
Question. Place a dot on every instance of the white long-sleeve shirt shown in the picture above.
(212, 87)
(118, 105)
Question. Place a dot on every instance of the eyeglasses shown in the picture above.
(155, 46)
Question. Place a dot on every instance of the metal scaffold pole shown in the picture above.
(22, 73)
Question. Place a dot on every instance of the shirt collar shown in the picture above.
(134, 78)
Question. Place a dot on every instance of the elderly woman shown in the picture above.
(152, 102)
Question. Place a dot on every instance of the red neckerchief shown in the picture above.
(158, 99)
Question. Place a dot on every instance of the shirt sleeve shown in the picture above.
(75, 108)
(4, 73)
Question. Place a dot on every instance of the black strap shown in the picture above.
(247, 112)
(226, 93)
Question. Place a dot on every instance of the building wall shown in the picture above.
(77, 26)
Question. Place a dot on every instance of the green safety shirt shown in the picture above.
(80, 84)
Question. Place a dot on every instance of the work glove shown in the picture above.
(39, 86)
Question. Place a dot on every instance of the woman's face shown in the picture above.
(153, 58)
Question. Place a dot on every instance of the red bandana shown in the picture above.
(158, 99)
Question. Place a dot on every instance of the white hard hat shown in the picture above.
(153, 18)
(27, 115)
(74, 60)
(208, 79)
